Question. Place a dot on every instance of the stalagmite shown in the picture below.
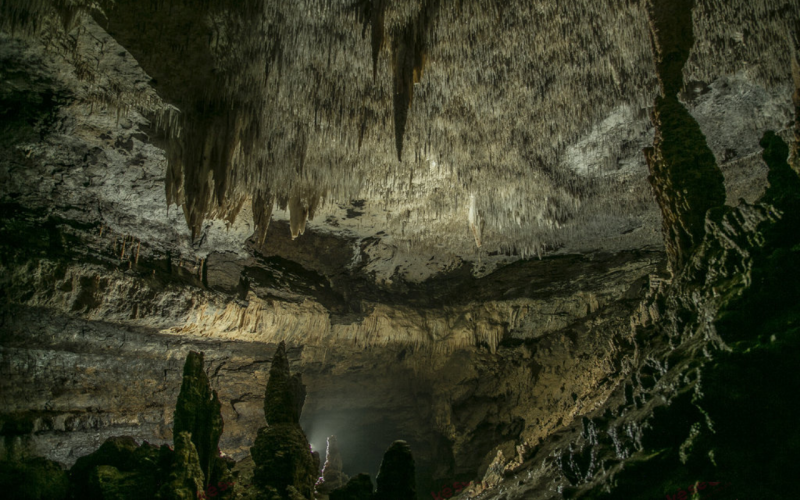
(197, 413)
(281, 451)
(332, 475)
(396, 478)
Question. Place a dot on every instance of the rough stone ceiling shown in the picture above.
(518, 126)
(146, 146)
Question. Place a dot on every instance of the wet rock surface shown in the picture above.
(404, 292)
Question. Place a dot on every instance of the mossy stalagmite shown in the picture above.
(186, 478)
(197, 413)
(284, 463)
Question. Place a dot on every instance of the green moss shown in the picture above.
(109, 483)
(283, 458)
(198, 412)
(186, 478)
(34, 479)
(144, 465)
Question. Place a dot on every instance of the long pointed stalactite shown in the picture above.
(410, 47)
(277, 100)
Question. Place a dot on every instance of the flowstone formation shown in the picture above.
(281, 451)
(396, 478)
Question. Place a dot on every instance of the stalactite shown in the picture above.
(260, 100)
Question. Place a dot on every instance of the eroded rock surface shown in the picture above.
(197, 413)
(402, 289)
(281, 451)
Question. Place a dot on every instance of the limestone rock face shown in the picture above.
(332, 475)
(197, 412)
(222, 177)
(397, 476)
(285, 466)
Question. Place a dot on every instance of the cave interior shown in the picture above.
(399, 249)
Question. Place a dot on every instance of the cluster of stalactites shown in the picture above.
(307, 103)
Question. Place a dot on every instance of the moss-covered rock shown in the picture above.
(285, 393)
(283, 458)
(109, 483)
(396, 478)
(33, 479)
(243, 488)
(198, 413)
(281, 452)
(149, 463)
(357, 488)
(186, 478)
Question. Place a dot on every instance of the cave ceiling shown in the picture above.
(464, 130)
(459, 215)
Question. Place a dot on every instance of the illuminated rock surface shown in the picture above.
(371, 185)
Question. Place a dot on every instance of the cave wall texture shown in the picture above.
(551, 246)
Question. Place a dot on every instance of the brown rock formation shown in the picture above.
(397, 477)
(197, 413)
(282, 455)
(683, 171)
